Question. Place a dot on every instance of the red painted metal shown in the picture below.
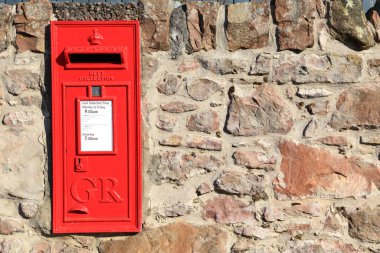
(96, 189)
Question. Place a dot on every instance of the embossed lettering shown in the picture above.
(83, 190)
(90, 191)
(108, 185)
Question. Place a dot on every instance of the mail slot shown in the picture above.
(96, 126)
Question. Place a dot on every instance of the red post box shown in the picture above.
(96, 126)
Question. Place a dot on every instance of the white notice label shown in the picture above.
(96, 125)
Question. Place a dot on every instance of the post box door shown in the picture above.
(96, 121)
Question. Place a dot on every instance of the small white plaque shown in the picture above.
(96, 125)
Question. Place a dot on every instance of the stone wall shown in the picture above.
(261, 127)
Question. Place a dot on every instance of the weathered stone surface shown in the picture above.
(31, 21)
(256, 232)
(308, 171)
(11, 245)
(5, 26)
(225, 65)
(251, 246)
(349, 24)
(205, 143)
(171, 166)
(166, 122)
(10, 225)
(295, 227)
(330, 68)
(19, 118)
(320, 245)
(169, 84)
(207, 122)
(364, 224)
(370, 140)
(261, 112)
(31, 100)
(357, 107)
(155, 24)
(374, 18)
(227, 210)
(8, 208)
(171, 141)
(22, 178)
(331, 140)
(314, 209)
(317, 68)
(28, 209)
(271, 213)
(333, 225)
(313, 128)
(245, 30)
(295, 24)
(254, 160)
(204, 188)
(99, 11)
(373, 68)
(176, 210)
(313, 93)
(177, 237)
(240, 183)
(178, 107)
(151, 65)
(41, 246)
(18, 81)
(178, 33)
(201, 22)
(188, 65)
(44, 218)
(202, 88)
(318, 107)
(262, 65)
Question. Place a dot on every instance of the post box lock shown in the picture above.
(96, 126)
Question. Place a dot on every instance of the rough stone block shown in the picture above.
(247, 25)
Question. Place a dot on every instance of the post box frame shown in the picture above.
(59, 114)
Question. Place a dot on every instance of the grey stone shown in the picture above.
(169, 84)
(174, 167)
(370, 140)
(22, 178)
(204, 143)
(313, 93)
(225, 65)
(202, 88)
(349, 24)
(261, 112)
(176, 210)
(29, 209)
(18, 81)
(240, 183)
(364, 224)
(166, 122)
(207, 122)
(5, 26)
(11, 245)
(178, 107)
(10, 225)
(317, 68)
(19, 118)
(178, 32)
